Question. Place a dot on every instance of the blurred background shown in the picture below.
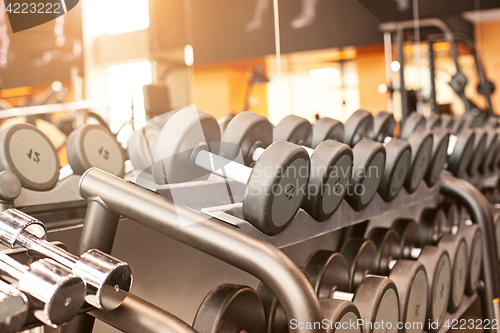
(121, 62)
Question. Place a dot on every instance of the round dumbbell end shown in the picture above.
(462, 154)
(367, 172)
(489, 156)
(327, 272)
(438, 266)
(29, 154)
(66, 302)
(421, 143)
(397, 165)
(331, 169)
(140, 146)
(14, 308)
(10, 187)
(186, 131)
(472, 234)
(248, 131)
(441, 138)
(294, 129)
(411, 281)
(94, 146)
(411, 124)
(479, 151)
(457, 249)
(327, 129)
(13, 222)
(388, 246)
(108, 279)
(277, 187)
(231, 308)
(59, 293)
(361, 257)
(116, 287)
(383, 126)
(339, 313)
(377, 301)
(358, 126)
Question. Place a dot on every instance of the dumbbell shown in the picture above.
(381, 130)
(455, 245)
(410, 278)
(435, 260)
(187, 150)
(93, 146)
(398, 152)
(30, 156)
(375, 299)
(230, 308)
(331, 161)
(459, 149)
(140, 146)
(489, 154)
(428, 150)
(434, 223)
(14, 308)
(56, 295)
(108, 279)
(327, 129)
(368, 159)
(384, 124)
(142, 141)
(340, 314)
(479, 151)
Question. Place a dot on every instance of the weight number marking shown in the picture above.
(35, 155)
(104, 153)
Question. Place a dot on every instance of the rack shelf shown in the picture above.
(303, 227)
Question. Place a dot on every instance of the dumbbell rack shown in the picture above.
(303, 229)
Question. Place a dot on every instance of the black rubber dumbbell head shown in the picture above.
(479, 151)
(368, 169)
(248, 131)
(358, 126)
(383, 126)
(331, 170)
(397, 166)
(231, 308)
(439, 157)
(413, 122)
(327, 129)
(294, 129)
(462, 153)
(421, 142)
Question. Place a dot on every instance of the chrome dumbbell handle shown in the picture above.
(57, 294)
(108, 279)
(11, 267)
(28, 241)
